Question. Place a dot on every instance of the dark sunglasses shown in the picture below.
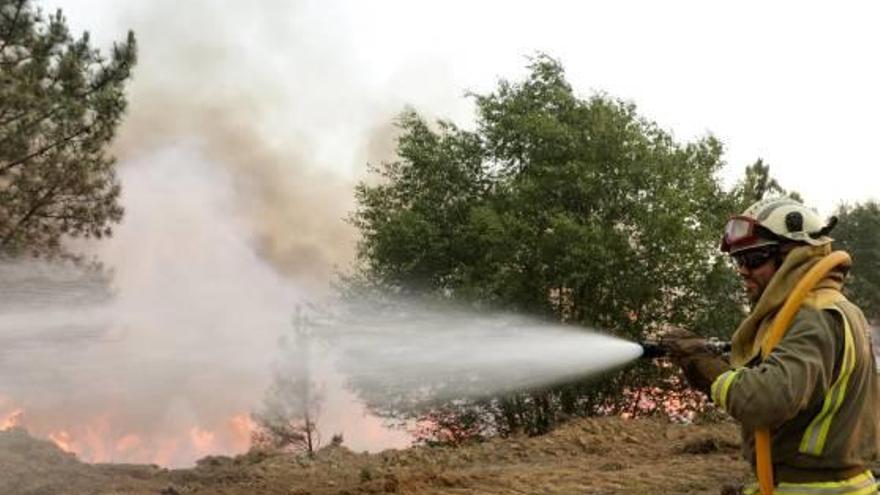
(754, 258)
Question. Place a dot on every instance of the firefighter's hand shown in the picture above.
(681, 343)
(689, 351)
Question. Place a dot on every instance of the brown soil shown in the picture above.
(591, 456)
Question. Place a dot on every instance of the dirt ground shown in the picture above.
(591, 456)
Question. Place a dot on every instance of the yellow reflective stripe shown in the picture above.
(721, 386)
(813, 441)
(862, 484)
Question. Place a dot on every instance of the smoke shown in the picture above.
(271, 95)
(291, 98)
(167, 365)
(246, 131)
(182, 342)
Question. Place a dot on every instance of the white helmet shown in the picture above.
(773, 221)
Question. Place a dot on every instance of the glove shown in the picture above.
(679, 342)
(702, 369)
(700, 365)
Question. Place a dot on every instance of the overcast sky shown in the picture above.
(794, 83)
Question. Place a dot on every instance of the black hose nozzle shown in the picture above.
(653, 349)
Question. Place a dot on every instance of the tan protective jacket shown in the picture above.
(817, 391)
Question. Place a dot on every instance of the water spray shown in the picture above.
(412, 358)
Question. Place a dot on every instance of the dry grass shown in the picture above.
(593, 456)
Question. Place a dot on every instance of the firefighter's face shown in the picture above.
(756, 267)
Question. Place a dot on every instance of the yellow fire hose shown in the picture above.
(763, 454)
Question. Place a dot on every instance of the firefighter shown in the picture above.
(817, 391)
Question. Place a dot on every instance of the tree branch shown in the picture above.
(5, 168)
(39, 204)
(53, 110)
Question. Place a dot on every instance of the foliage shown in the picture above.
(858, 232)
(758, 183)
(60, 103)
(452, 425)
(573, 209)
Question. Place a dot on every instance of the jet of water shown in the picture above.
(413, 357)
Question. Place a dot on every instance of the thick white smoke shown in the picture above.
(169, 367)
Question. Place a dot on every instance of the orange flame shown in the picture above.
(12, 419)
(203, 440)
(104, 439)
(165, 452)
(127, 443)
(62, 440)
(242, 427)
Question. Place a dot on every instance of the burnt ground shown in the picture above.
(590, 456)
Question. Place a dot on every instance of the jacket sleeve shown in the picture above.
(777, 389)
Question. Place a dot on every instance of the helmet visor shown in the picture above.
(739, 230)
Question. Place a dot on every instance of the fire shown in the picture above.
(100, 440)
(12, 419)
(165, 452)
(242, 427)
(203, 440)
(127, 443)
(113, 435)
(108, 437)
(62, 440)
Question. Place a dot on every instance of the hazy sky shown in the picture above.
(794, 83)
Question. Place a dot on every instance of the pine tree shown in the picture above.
(61, 101)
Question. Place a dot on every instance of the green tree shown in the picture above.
(576, 209)
(60, 103)
(758, 183)
(414, 223)
(858, 232)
